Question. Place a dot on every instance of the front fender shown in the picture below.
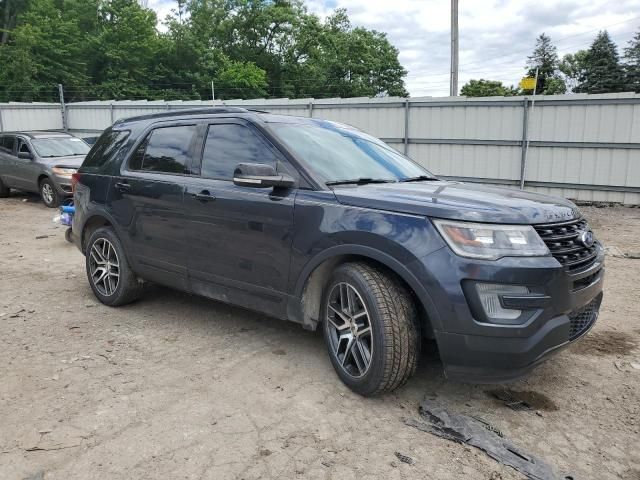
(326, 229)
(403, 271)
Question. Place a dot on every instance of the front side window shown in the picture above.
(24, 148)
(338, 153)
(165, 150)
(227, 145)
(59, 147)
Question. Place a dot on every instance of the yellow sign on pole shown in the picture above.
(528, 83)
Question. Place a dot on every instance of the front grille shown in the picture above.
(582, 319)
(563, 241)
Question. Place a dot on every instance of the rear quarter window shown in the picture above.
(109, 143)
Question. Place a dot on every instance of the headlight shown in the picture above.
(490, 242)
(64, 172)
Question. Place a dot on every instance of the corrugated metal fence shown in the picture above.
(585, 147)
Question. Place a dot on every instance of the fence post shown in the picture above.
(311, 108)
(406, 126)
(1, 125)
(63, 110)
(525, 140)
(111, 111)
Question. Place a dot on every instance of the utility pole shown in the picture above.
(63, 108)
(453, 88)
(213, 93)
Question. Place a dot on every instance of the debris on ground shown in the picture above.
(40, 237)
(463, 429)
(488, 426)
(404, 458)
(523, 400)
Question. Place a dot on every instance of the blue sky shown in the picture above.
(495, 35)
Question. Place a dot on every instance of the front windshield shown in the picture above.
(59, 146)
(342, 154)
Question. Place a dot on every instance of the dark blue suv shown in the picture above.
(316, 222)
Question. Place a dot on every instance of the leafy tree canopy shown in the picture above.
(487, 88)
(111, 49)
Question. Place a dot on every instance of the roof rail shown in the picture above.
(182, 112)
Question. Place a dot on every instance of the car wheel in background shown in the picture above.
(49, 194)
(4, 190)
(371, 328)
(108, 271)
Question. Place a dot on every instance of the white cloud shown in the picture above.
(495, 35)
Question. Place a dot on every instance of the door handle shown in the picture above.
(204, 196)
(123, 187)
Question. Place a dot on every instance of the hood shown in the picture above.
(72, 161)
(460, 201)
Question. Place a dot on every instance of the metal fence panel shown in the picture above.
(31, 116)
(585, 147)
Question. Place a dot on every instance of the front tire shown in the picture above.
(49, 194)
(371, 328)
(110, 277)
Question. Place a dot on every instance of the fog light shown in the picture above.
(490, 293)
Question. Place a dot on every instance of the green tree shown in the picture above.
(544, 60)
(44, 49)
(487, 88)
(9, 11)
(602, 72)
(632, 64)
(111, 49)
(572, 67)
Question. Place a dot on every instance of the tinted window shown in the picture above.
(104, 149)
(228, 145)
(7, 144)
(166, 149)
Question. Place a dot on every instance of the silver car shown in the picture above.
(40, 162)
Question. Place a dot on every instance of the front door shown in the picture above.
(239, 237)
(8, 160)
(26, 169)
(147, 202)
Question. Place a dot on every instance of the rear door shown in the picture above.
(146, 200)
(239, 237)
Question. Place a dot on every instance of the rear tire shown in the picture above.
(4, 190)
(108, 271)
(379, 320)
(49, 194)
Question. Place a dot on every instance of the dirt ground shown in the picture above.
(176, 386)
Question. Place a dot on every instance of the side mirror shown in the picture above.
(25, 155)
(259, 175)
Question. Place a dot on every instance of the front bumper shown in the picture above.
(564, 308)
(63, 185)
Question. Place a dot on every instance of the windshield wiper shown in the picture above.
(359, 181)
(419, 178)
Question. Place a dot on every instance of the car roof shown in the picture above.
(258, 115)
(38, 134)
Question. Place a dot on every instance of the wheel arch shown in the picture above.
(307, 297)
(90, 225)
(41, 177)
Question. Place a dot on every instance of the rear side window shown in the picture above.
(6, 143)
(227, 145)
(166, 150)
(104, 149)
